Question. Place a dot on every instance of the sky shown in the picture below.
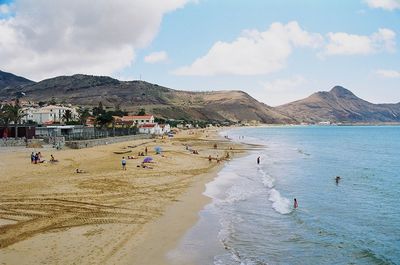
(278, 51)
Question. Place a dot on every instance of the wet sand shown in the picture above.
(51, 215)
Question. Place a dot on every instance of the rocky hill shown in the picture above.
(339, 105)
(8, 80)
(163, 102)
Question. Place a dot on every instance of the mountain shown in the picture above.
(339, 105)
(8, 80)
(164, 102)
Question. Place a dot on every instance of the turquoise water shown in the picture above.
(251, 219)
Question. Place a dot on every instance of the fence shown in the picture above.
(78, 144)
(97, 134)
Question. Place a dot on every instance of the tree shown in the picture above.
(104, 119)
(99, 109)
(141, 112)
(53, 101)
(84, 114)
(67, 116)
(14, 113)
(4, 117)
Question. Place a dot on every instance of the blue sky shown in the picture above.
(277, 51)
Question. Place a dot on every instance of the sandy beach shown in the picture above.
(49, 214)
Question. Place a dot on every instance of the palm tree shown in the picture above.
(4, 119)
(84, 114)
(67, 116)
(14, 113)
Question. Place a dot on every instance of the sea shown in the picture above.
(252, 220)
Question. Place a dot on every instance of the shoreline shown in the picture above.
(164, 234)
(156, 241)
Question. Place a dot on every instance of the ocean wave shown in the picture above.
(267, 180)
(236, 193)
(280, 204)
(216, 188)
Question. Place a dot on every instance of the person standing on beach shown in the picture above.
(258, 160)
(295, 204)
(32, 158)
(123, 163)
(145, 150)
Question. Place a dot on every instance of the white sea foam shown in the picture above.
(217, 188)
(237, 193)
(266, 179)
(279, 203)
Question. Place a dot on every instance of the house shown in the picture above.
(48, 115)
(154, 128)
(90, 121)
(165, 128)
(149, 128)
(138, 119)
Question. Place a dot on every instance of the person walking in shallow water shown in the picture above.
(123, 163)
(258, 160)
(295, 204)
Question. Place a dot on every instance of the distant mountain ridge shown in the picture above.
(11, 80)
(337, 105)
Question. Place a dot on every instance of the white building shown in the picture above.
(49, 114)
(154, 128)
(138, 119)
(149, 128)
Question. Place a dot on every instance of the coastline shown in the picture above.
(159, 237)
(105, 216)
(162, 235)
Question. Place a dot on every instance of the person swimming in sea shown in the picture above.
(337, 179)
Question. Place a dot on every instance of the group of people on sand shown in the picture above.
(142, 165)
(210, 158)
(37, 158)
(143, 153)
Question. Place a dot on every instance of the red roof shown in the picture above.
(148, 125)
(121, 122)
(144, 117)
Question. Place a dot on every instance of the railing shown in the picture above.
(97, 134)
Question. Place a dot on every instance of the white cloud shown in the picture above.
(342, 43)
(284, 85)
(253, 52)
(156, 57)
(384, 4)
(388, 73)
(47, 37)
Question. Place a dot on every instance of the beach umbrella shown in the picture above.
(147, 159)
(158, 150)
